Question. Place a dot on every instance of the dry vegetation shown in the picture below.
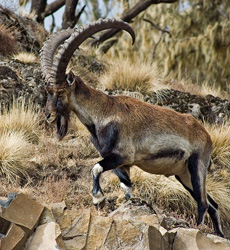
(26, 57)
(33, 161)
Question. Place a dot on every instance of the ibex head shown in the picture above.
(59, 85)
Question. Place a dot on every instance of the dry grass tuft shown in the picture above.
(220, 134)
(166, 192)
(132, 76)
(21, 118)
(26, 57)
(19, 128)
(220, 191)
(15, 153)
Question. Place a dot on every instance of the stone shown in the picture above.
(193, 239)
(128, 235)
(68, 219)
(23, 211)
(80, 225)
(75, 238)
(132, 208)
(15, 238)
(58, 209)
(212, 242)
(98, 231)
(77, 243)
(47, 236)
(47, 216)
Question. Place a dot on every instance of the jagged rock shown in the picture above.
(133, 207)
(15, 82)
(23, 211)
(208, 108)
(46, 236)
(75, 238)
(58, 209)
(171, 222)
(193, 239)
(15, 238)
(47, 216)
(98, 230)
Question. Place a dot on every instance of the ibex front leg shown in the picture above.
(111, 161)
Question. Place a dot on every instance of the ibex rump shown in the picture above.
(127, 131)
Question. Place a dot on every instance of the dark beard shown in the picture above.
(62, 120)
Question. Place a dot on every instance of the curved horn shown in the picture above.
(77, 38)
(48, 50)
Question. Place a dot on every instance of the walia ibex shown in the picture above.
(124, 130)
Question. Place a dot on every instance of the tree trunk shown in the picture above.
(38, 6)
(68, 18)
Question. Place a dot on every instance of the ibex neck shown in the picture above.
(88, 104)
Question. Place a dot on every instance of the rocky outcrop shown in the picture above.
(134, 225)
(29, 35)
(21, 81)
(19, 216)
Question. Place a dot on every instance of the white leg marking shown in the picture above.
(98, 198)
(97, 169)
(127, 190)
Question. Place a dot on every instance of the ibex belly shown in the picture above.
(165, 166)
(167, 155)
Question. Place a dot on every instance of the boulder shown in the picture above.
(47, 236)
(193, 239)
(15, 238)
(23, 211)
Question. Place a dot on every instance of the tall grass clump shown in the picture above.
(127, 75)
(220, 134)
(21, 117)
(26, 57)
(14, 155)
(19, 129)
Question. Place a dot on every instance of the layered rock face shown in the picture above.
(134, 225)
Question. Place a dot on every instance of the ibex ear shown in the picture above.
(70, 78)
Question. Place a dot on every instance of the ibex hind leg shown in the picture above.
(198, 178)
(194, 181)
(214, 214)
(125, 182)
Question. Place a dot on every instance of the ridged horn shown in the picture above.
(77, 38)
(48, 50)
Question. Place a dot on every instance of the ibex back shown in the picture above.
(127, 131)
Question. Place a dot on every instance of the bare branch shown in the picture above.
(127, 16)
(157, 27)
(51, 8)
(79, 14)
